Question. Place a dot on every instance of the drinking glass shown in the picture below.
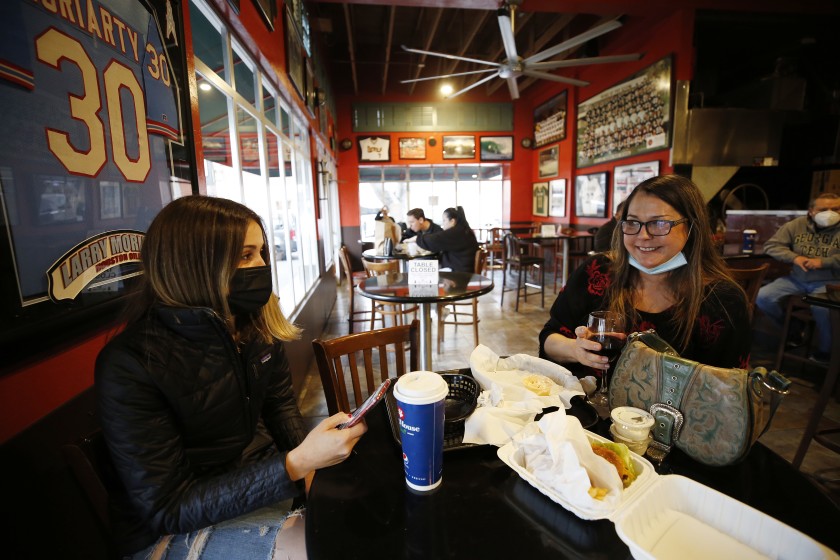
(607, 329)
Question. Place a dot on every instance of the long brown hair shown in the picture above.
(688, 283)
(189, 255)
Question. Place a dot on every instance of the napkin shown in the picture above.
(558, 455)
(505, 405)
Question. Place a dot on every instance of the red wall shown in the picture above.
(657, 36)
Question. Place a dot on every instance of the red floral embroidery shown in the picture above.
(709, 331)
(567, 332)
(744, 363)
(598, 281)
(645, 326)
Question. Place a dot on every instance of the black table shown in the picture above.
(452, 286)
(363, 509)
(566, 239)
(373, 256)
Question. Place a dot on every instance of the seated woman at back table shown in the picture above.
(195, 396)
(456, 243)
(662, 273)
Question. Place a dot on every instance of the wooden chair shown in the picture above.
(353, 279)
(519, 262)
(750, 280)
(358, 349)
(461, 312)
(90, 463)
(579, 250)
(495, 251)
(397, 311)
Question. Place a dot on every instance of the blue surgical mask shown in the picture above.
(676, 261)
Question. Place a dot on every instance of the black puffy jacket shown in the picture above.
(457, 246)
(179, 406)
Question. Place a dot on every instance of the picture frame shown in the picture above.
(496, 148)
(294, 57)
(626, 177)
(540, 199)
(268, 11)
(591, 195)
(550, 120)
(630, 118)
(557, 198)
(412, 148)
(548, 161)
(374, 148)
(458, 147)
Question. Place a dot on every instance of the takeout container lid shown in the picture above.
(633, 418)
(660, 511)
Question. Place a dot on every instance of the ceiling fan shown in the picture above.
(515, 66)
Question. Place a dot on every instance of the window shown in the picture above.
(477, 188)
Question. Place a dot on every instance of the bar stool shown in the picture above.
(518, 260)
(797, 309)
(831, 377)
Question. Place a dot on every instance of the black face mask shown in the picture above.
(250, 289)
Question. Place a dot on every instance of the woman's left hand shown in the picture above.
(324, 446)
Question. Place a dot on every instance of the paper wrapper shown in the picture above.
(505, 405)
(555, 455)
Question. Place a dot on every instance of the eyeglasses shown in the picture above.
(656, 228)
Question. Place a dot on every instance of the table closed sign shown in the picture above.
(422, 271)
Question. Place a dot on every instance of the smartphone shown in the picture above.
(371, 401)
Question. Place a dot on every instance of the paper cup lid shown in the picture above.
(421, 387)
(635, 418)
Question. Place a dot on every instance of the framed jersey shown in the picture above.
(91, 102)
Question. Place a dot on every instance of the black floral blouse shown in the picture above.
(722, 334)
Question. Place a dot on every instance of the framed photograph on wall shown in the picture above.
(626, 177)
(630, 118)
(550, 121)
(591, 195)
(540, 206)
(458, 147)
(294, 57)
(374, 148)
(268, 11)
(548, 161)
(557, 198)
(496, 148)
(412, 148)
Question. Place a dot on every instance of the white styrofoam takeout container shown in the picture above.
(671, 516)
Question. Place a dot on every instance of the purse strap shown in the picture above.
(775, 383)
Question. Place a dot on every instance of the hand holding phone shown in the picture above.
(369, 403)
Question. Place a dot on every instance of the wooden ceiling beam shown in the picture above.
(388, 44)
(348, 21)
(422, 62)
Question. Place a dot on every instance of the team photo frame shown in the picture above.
(550, 121)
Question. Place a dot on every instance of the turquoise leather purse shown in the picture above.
(712, 414)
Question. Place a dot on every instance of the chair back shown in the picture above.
(346, 359)
(344, 258)
(382, 267)
(750, 280)
(480, 260)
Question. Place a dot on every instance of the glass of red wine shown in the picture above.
(607, 329)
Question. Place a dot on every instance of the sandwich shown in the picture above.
(618, 455)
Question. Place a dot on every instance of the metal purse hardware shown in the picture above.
(669, 423)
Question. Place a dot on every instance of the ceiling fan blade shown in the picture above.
(553, 65)
(468, 88)
(513, 87)
(596, 31)
(449, 75)
(554, 78)
(451, 56)
(508, 38)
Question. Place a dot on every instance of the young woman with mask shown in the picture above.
(662, 273)
(195, 394)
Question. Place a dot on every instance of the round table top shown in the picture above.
(374, 256)
(451, 286)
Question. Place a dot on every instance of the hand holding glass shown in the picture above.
(607, 329)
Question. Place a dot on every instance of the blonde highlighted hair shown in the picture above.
(189, 255)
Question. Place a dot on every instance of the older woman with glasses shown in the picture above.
(662, 273)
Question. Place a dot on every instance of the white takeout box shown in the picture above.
(671, 516)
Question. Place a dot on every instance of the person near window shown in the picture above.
(665, 275)
(195, 394)
(456, 242)
(416, 221)
(811, 244)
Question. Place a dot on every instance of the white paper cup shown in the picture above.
(412, 248)
(421, 397)
(632, 423)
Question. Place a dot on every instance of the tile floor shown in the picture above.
(508, 332)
